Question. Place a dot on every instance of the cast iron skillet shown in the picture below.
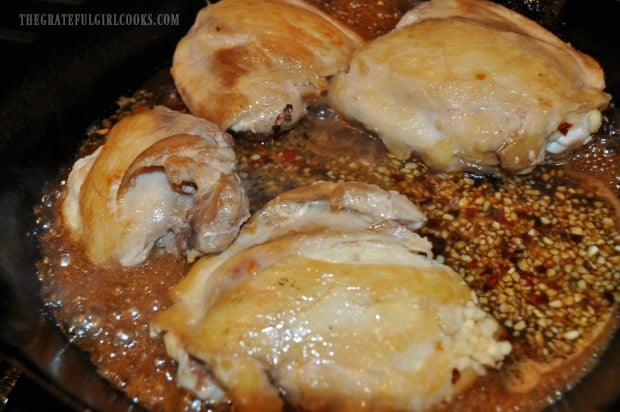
(68, 77)
(73, 77)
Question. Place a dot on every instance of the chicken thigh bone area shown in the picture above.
(329, 300)
(470, 84)
(254, 66)
(162, 178)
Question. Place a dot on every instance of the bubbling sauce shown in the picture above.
(107, 311)
(541, 251)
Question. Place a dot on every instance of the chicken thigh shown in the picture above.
(470, 84)
(162, 177)
(328, 300)
(253, 66)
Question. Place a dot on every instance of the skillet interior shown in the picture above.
(68, 78)
(76, 78)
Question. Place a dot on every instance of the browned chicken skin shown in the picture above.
(162, 178)
(254, 66)
(329, 300)
(469, 84)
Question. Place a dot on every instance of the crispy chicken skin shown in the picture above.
(162, 177)
(328, 300)
(470, 84)
(253, 66)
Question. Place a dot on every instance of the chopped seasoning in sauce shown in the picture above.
(541, 251)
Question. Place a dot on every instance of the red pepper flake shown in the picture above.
(504, 267)
(493, 200)
(444, 200)
(456, 375)
(522, 214)
(499, 214)
(528, 277)
(477, 284)
(430, 187)
(538, 298)
(564, 127)
(397, 177)
(289, 155)
(548, 263)
(471, 211)
(560, 319)
(472, 264)
(491, 282)
(434, 222)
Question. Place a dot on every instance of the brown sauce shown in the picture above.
(511, 237)
(541, 251)
(368, 18)
(107, 311)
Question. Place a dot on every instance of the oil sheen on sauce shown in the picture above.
(107, 311)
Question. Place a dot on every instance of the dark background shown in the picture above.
(55, 81)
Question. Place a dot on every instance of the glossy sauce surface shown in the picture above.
(541, 251)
